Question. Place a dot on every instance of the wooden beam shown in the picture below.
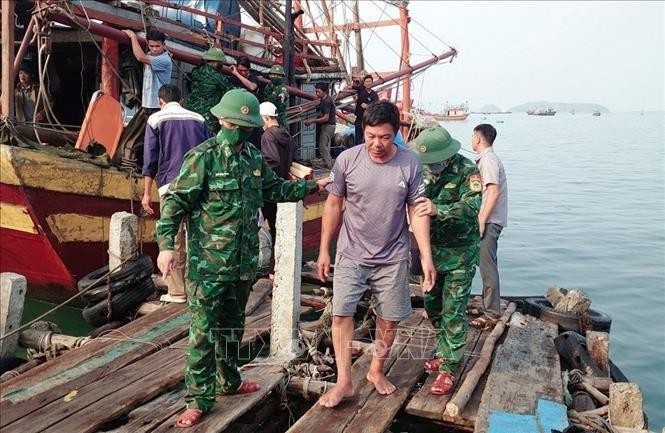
(7, 57)
(352, 26)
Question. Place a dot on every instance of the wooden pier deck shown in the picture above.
(132, 381)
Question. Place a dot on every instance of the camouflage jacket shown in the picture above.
(456, 192)
(208, 87)
(222, 190)
(278, 95)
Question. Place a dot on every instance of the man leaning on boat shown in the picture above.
(169, 134)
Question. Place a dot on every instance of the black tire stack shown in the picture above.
(128, 287)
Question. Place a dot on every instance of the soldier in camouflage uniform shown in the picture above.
(276, 93)
(208, 87)
(453, 191)
(221, 186)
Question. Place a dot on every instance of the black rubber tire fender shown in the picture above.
(123, 302)
(142, 264)
(542, 309)
(99, 293)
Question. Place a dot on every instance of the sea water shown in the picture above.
(586, 209)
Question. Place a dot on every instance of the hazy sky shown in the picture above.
(610, 53)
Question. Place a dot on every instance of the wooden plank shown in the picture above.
(156, 378)
(323, 420)
(146, 418)
(229, 408)
(109, 358)
(426, 405)
(525, 368)
(379, 410)
(96, 347)
(86, 398)
(257, 296)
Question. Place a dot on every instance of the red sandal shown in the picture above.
(247, 387)
(189, 418)
(433, 364)
(443, 385)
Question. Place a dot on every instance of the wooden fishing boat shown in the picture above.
(56, 210)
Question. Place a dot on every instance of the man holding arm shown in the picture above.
(493, 217)
(221, 186)
(379, 182)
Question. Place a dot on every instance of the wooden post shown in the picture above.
(287, 45)
(286, 288)
(404, 63)
(626, 405)
(123, 238)
(7, 99)
(12, 297)
(110, 83)
(598, 345)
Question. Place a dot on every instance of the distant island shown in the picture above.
(490, 109)
(561, 107)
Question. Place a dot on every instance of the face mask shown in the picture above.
(438, 167)
(276, 80)
(234, 135)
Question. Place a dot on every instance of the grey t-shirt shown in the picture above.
(491, 171)
(374, 228)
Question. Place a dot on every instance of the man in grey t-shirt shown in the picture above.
(493, 217)
(379, 182)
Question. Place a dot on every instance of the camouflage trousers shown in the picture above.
(215, 332)
(446, 308)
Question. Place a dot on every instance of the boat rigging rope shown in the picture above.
(62, 304)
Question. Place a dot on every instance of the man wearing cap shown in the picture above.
(452, 200)
(278, 150)
(275, 93)
(221, 186)
(208, 85)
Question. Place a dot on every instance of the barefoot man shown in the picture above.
(379, 182)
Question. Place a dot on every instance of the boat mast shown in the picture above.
(8, 57)
(287, 45)
(404, 62)
(360, 59)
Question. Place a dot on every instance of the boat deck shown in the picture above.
(131, 380)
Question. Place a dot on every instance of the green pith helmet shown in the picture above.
(276, 70)
(435, 145)
(240, 107)
(214, 54)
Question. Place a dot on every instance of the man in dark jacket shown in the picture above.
(278, 150)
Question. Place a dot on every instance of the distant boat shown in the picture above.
(596, 113)
(545, 111)
(572, 111)
(452, 112)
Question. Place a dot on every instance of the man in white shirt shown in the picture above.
(493, 217)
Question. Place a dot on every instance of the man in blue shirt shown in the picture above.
(169, 135)
(157, 70)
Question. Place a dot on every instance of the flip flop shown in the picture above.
(484, 322)
(246, 387)
(189, 418)
(443, 385)
(433, 364)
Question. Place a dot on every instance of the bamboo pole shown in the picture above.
(456, 404)
(7, 99)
